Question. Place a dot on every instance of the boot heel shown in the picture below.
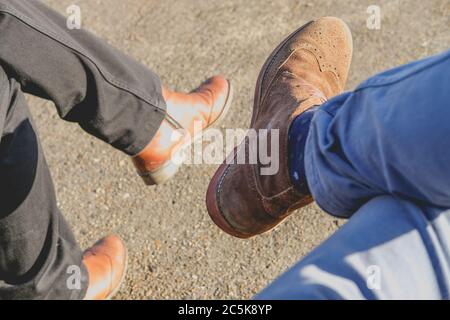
(162, 175)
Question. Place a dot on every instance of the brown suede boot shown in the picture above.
(106, 263)
(202, 108)
(305, 70)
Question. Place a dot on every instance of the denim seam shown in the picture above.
(327, 112)
(406, 76)
(433, 254)
(106, 75)
(316, 188)
(319, 196)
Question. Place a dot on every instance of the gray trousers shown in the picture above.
(107, 93)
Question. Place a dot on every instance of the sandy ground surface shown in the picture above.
(175, 250)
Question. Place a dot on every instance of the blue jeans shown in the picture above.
(381, 156)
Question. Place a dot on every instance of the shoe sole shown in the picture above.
(212, 205)
(170, 168)
(212, 194)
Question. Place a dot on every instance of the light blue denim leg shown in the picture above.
(390, 249)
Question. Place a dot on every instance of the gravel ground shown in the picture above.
(175, 250)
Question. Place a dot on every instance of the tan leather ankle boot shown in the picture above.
(305, 70)
(106, 263)
(202, 108)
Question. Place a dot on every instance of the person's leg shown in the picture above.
(109, 94)
(37, 247)
(389, 136)
(112, 97)
(390, 249)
